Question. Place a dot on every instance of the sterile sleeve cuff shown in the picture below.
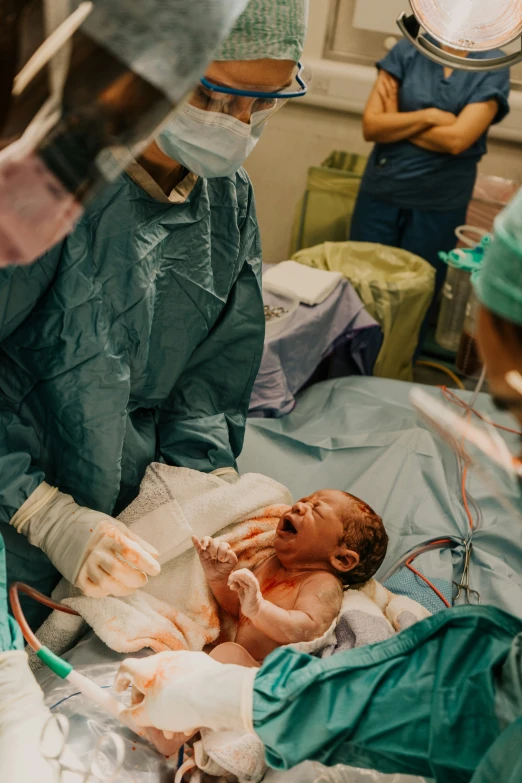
(33, 505)
(247, 700)
(227, 474)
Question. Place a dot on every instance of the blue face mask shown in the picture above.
(207, 143)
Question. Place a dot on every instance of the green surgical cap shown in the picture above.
(499, 286)
(272, 29)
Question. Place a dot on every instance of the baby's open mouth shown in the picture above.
(288, 526)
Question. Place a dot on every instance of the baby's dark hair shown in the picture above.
(365, 534)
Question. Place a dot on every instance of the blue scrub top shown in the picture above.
(410, 177)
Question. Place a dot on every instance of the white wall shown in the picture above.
(302, 136)
(295, 139)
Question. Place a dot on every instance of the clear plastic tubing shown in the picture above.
(455, 296)
(468, 361)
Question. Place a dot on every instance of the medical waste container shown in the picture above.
(469, 362)
(456, 292)
(324, 214)
(396, 288)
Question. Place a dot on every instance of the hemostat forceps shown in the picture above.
(464, 585)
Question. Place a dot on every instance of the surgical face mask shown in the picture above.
(209, 144)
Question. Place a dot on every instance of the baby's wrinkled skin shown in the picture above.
(295, 595)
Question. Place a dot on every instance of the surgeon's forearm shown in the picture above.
(444, 140)
(18, 477)
(454, 139)
(389, 128)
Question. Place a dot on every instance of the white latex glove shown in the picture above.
(230, 475)
(93, 551)
(185, 691)
(245, 584)
(23, 717)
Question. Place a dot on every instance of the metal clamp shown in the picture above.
(464, 585)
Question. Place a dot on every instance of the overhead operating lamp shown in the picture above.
(467, 26)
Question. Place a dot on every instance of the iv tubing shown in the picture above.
(442, 368)
(58, 665)
(29, 636)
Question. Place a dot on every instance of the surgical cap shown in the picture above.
(499, 286)
(273, 29)
(167, 43)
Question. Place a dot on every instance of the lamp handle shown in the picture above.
(410, 28)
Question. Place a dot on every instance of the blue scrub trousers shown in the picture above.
(425, 232)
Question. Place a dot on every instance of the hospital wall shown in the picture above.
(302, 136)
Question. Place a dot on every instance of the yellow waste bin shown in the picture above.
(396, 288)
(324, 214)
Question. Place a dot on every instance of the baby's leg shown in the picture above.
(230, 652)
(167, 747)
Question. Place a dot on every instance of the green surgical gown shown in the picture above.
(441, 699)
(137, 339)
(10, 634)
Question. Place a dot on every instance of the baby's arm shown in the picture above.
(318, 604)
(218, 561)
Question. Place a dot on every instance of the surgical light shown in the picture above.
(467, 26)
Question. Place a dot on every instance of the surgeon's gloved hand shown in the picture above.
(27, 733)
(230, 475)
(184, 691)
(93, 551)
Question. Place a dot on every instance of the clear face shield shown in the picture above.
(79, 81)
(484, 441)
(484, 446)
(467, 26)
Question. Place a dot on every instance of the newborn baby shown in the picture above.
(325, 542)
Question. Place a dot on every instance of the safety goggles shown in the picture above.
(253, 107)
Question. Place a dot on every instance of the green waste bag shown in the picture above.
(395, 286)
(324, 214)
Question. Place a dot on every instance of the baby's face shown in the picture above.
(309, 533)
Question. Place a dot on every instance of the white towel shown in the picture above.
(175, 610)
(311, 286)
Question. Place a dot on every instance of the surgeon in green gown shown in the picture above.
(139, 337)
(91, 336)
(442, 699)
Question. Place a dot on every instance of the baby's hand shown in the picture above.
(217, 558)
(245, 584)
